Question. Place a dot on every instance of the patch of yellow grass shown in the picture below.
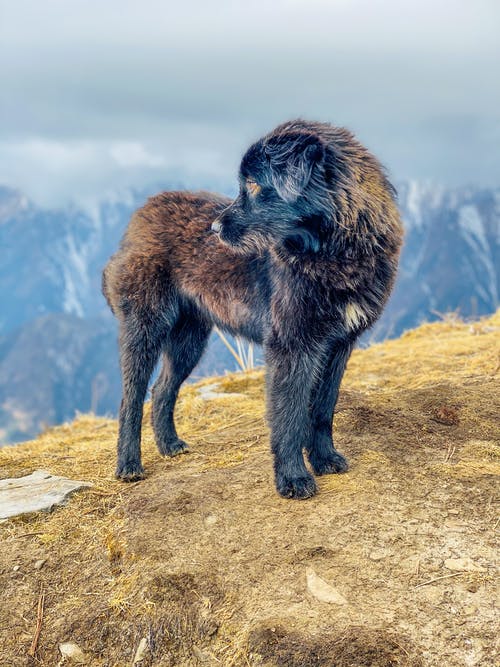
(389, 387)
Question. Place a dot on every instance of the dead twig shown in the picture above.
(449, 453)
(231, 349)
(39, 619)
(445, 576)
(244, 356)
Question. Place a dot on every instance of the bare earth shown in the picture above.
(391, 564)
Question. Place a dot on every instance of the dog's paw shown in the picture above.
(296, 487)
(130, 471)
(173, 448)
(329, 463)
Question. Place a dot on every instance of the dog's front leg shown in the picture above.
(290, 374)
(323, 456)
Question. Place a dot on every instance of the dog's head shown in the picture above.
(284, 200)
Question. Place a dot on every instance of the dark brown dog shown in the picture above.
(301, 262)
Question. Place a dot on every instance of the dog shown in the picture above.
(301, 262)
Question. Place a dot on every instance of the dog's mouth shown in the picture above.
(230, 238)
(239, 242)
(227, 234)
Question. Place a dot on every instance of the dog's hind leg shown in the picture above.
(140, 337)
(323, 456)
(181, 350)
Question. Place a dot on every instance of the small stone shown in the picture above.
(210, 520)
(469, 610)
(410, 565)
(200, 655)
(73, 653)
(141, 652)
(455, 526)
(16, 568)
(463, 565)
(322, 590)
(432, 594)
(40, 563)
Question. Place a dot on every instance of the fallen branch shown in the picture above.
(38, 629)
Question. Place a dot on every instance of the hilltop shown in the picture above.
(391, 564)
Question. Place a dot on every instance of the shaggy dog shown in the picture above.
(301, 262)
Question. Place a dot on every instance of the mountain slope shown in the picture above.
(451, 256)
(203, 563)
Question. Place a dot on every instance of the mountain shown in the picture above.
(51, 259)
(58, 349)
(53, 365)
(451, 256)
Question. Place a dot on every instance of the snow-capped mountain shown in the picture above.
(451, 255)
(51, 259)
(57, 339)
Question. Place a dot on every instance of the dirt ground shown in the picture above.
(202, 563)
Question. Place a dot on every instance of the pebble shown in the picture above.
(210, 520)
(455, 526)
(200, 655)
(432, 594)
(322, 590)
(469, 610)
(73, 653)
(40, 563)
(141, 652)
(463, 565)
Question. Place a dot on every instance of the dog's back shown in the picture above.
(162, 237)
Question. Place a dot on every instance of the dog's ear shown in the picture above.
(301, 242)
(292, 162)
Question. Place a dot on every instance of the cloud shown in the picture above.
(56, 171)
(59, 156)
(133, 154)
(132, 89)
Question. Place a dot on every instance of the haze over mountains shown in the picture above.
(58, 350)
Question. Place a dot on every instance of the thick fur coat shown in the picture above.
(301, 262)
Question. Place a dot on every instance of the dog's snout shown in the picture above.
(216, 226)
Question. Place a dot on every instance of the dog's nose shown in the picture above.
(216, 226)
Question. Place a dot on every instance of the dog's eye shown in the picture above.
(253, 187)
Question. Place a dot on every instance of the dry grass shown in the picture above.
(206, 563)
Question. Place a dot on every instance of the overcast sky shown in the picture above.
(101, 94)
